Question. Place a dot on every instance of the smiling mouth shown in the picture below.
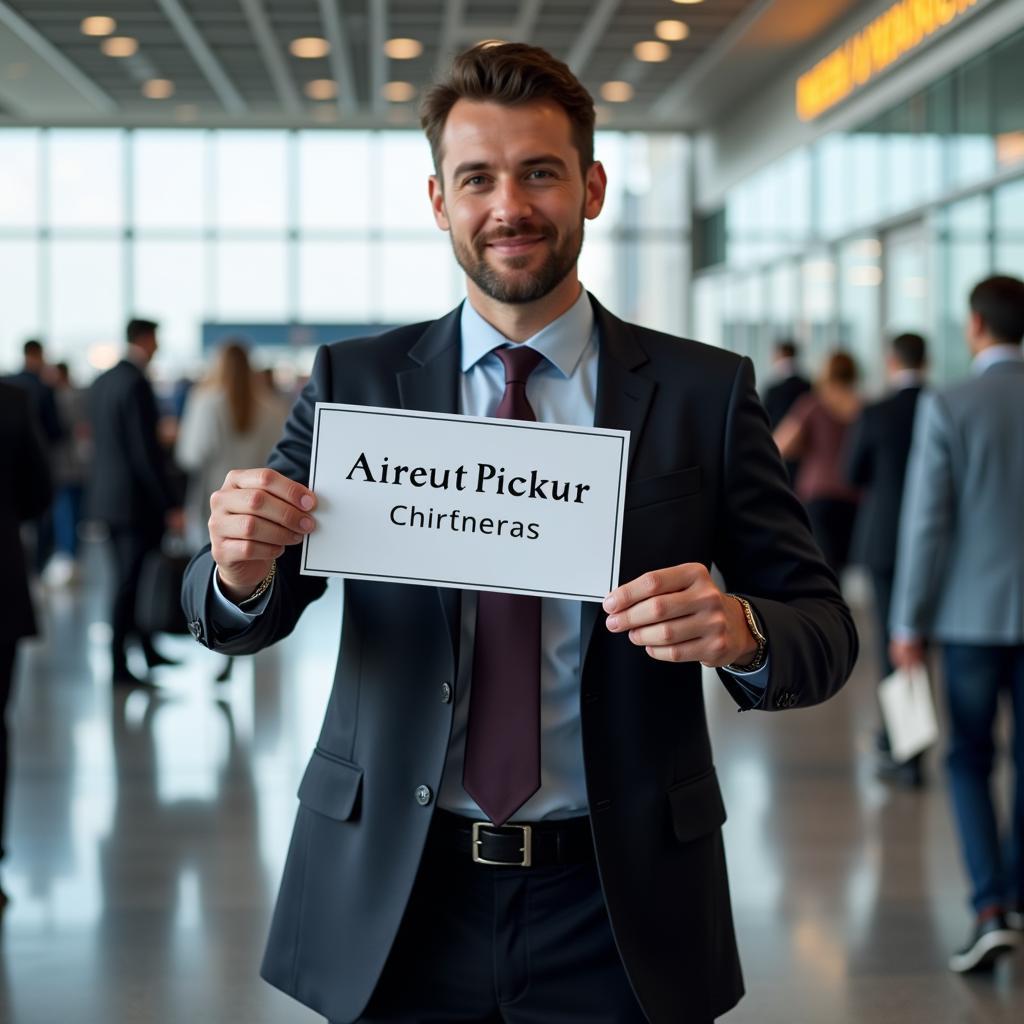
(515, 245)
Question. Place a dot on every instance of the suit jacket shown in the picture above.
(779, 397)
(705, 485)
(129, 486)
(960, 567)
(876, 462)
(44, 404)
(25, 493)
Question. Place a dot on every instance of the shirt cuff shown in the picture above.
(226, 614)
(757, 679)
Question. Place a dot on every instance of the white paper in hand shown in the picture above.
(908, 712)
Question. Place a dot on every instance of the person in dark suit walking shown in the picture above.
(877, 454)
(31, 379)
(788, 385)
(25, 491)
(512, 812)
(129, 490)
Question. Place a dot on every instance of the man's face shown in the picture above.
(514, 197)
(148, 344)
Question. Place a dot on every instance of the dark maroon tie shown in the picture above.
(502, 766)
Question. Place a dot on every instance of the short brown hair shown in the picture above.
(841, 369)
(510, 74)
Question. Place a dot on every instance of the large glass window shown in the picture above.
(1009, 225)
(86, 297)
(169, 175)
(860, 277)
(20, 306)
(86, 179)
(19, 178)
(252, 180)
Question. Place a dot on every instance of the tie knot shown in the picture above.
(519, 361)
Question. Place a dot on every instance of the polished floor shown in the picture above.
(147, 835)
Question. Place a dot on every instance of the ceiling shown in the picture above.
(229, 61)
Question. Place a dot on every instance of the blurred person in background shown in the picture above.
(960, 582)
(32, 378)
(71, 458)
(25, 491)
(788, 384)
(230, 420)
(130, 490)
(815, 432)
(877, 463)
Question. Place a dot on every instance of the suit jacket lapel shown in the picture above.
(623, 402)
(432, 385)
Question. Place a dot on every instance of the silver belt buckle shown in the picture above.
(526, 849)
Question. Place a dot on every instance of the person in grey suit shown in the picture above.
(960, 582)
(598, 892)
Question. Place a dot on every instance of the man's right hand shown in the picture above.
(254, 516)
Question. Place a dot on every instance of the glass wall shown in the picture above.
(867, 233)
(187, 226)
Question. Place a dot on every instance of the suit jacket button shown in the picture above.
(424, 795)
(195, 627)
(446, 693)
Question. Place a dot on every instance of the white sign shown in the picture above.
(466, 501)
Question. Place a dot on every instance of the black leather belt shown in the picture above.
(533, 844)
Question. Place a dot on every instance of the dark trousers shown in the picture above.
(129, 548)
(489, 945)
(832, 526)
(67, 512)
(7, 649)
(976, 676)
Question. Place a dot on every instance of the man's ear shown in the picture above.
(596, 184)
(436, 190)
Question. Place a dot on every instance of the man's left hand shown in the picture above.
(678, 614)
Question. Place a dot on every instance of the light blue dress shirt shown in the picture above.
(562, 389)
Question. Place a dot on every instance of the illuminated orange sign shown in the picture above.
(895, 32)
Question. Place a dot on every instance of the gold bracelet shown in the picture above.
(264, 585)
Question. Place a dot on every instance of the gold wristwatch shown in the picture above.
(761, 654)
(263, 587)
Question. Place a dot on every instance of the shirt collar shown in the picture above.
(996, 354)
(906, 379)
(562, 342)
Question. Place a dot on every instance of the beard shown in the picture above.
(509, 284)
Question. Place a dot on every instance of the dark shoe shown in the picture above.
(907, 774)
(125, 679)
(991, 939)
(154, 659)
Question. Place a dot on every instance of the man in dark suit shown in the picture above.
(583, 877)
(25, 491)
(43, 399)
(129, 489)
(877, 463)
(788, 385)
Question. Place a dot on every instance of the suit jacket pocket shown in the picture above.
(653, 490)
(697, 806)
(331, 785)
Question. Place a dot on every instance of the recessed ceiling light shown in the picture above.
(120, 46)
(322, 89)
(689, 1)
(399, 92)
(310, 47)
(98, 26)
(672, 30)
(617, 92)
(651, 51)
(403, 49)
(158, 89)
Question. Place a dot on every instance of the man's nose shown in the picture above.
(511, 203)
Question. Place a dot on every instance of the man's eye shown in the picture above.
(476, 179)
(540, 172)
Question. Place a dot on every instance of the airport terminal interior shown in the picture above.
(834, 173)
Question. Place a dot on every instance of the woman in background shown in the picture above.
(815, 431)
(230, 420)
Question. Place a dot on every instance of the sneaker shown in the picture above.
(991, 939)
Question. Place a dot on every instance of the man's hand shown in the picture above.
(906, 652)
(678, 614)
(254, 516)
